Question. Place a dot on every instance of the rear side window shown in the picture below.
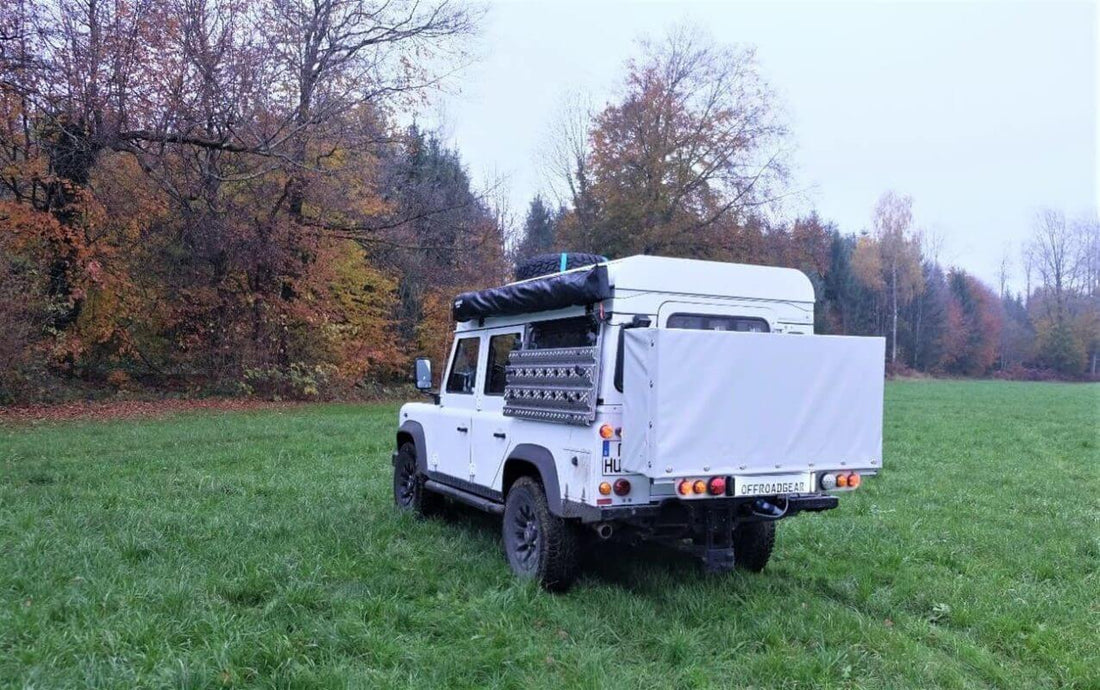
(581, 331)
(464, 366)
(500, 346)
(718, 322)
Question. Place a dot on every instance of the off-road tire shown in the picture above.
(538, 544)
(545, 264)
(752, 545)
(409, 494)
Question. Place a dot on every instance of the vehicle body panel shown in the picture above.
(728, 403)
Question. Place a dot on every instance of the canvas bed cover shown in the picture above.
(707, 403)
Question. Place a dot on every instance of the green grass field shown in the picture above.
(261, 548)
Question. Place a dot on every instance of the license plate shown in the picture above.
(612, 457)
(771, 485)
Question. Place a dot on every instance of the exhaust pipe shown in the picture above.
(604, 530)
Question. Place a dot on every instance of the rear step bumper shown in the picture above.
(798, 503)
(813, 503)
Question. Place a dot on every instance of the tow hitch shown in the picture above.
(716, 549)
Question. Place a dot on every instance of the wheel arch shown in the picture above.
(530, 460)
(413, 432)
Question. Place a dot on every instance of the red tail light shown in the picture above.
(622, 487)
(717, 486)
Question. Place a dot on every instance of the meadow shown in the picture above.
(260, 548)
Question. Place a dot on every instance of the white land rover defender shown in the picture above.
(645, 397)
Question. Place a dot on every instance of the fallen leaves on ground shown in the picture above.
(130, 409)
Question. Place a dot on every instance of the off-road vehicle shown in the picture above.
(642, 398)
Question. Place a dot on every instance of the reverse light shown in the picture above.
(622, 487)
(828, 482)
(699, 487)
(717, 486)
(605, 488)
(607, 431)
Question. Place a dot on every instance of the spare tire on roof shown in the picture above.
(545, 264)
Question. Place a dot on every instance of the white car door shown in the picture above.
(490, 442)
(449, 440)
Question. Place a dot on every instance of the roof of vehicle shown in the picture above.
(632, 275)
(696, 277)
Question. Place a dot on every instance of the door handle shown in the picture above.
(463, 429)
(499, 434)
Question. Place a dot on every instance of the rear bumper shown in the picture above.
(651, 512)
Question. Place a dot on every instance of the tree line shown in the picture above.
(216, 195)
(220, 196)
(691, 162)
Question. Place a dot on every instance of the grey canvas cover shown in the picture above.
(706, 402)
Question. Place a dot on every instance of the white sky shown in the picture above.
(983, 112)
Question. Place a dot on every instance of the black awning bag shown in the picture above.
(575, 288)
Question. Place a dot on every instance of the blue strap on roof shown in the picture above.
(564, 262)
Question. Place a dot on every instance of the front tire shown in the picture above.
(538, 544)
(753, 543)
(409, 494)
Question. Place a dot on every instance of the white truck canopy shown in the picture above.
(707, 402)
(695, 277)
(637, 284)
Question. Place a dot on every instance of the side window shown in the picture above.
(500, 346)
(718, 322)
(580, 331)
(464, 366)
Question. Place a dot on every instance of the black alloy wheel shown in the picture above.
(538, 544)
(409, 494)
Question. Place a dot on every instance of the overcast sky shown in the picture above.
(983, 112)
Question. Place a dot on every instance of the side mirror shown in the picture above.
(423, 373)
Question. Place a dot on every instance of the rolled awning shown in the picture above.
(575, 288)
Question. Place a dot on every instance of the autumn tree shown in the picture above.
(888, 261)
(977, 326)
(214, 169)
(445, 238)
(694, 144)
(1058, 255)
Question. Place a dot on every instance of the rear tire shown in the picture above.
(545, 264)
(538, 544)
(409, 494)
(752, 545)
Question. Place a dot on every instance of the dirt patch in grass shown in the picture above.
(130, 409)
